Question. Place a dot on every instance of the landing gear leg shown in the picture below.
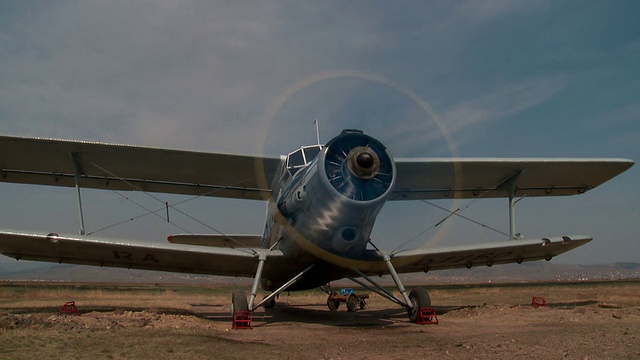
(417, 299)
(272, 296)
(262, 258)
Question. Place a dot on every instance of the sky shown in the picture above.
(498, 78)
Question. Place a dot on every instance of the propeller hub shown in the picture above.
(363, 162)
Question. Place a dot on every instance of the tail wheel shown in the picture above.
(419, 299)
(239, 301)
(352, 303)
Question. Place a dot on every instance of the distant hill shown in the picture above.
(534, 271)
(79, 273)
(628, 265)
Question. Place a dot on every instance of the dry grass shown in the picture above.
(469, 332)
(183, 297)
(33, 296)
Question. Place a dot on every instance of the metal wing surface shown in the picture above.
(503, 252)
(227, 240)
(488, 177)
(134, 255)
(124, 167)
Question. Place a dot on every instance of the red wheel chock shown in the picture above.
(69, 308)
(242, 319)
(427, 315)
(538, 301)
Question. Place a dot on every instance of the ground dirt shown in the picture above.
(581, 321)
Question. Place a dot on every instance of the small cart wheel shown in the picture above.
(352, 303)
(362, 304)
(332, 304)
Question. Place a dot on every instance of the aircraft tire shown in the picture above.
(352, 303)
(239, 301)
(270, 304)
(420, 299)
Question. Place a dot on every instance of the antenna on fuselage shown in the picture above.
(317, 131)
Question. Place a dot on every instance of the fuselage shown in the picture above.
(326, 200)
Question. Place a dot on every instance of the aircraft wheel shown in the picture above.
(270, 304)
(332, 304)
(352, 303)
(239, 301)
(420, 299)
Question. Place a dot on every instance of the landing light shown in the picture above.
(349, 234)
(53, 237)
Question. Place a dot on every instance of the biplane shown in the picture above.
(323, 201)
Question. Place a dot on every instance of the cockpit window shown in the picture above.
(300, 158)
(296, 159)
(310, 153)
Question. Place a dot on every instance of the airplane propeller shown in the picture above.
(358, 166)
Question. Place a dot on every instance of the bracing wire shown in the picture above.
(456, 212)
(154, 212)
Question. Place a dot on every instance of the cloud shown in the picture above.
(130, 72)
(490, 9)
(466, 118)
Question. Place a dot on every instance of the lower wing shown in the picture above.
(503, 252)
(217, 240)
(135, 255)
(242, 262)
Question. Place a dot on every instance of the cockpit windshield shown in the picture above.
(298, 159)
(311, 152)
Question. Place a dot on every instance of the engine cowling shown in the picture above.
(333, 202)
(358, 166)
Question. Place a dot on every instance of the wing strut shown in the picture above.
(511, 183)
(76, 172)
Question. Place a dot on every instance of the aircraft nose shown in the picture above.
(363, 162)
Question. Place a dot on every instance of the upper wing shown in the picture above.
(123, 167)
(485, 254)
(164, 257)
(487, 178)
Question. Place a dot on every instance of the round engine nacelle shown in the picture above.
(335, 200)
(358, 166)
